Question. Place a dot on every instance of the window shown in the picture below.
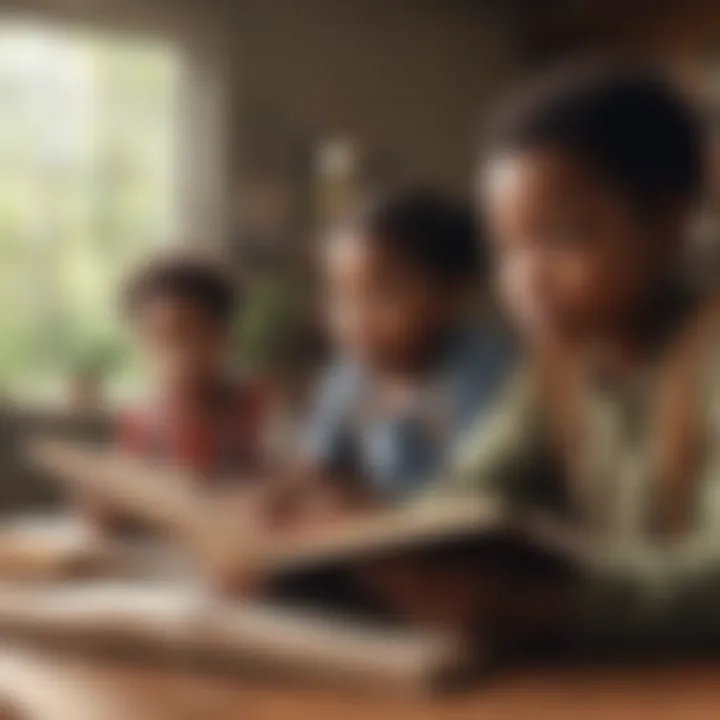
(87, 139)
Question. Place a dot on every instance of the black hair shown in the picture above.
(629, 123)
(183, 277)
(436, 234)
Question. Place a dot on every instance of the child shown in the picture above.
(181, 310)
(589, 191)
(413, 367)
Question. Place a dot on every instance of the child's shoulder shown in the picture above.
(341, 381)
(483, 359)
(492, 346)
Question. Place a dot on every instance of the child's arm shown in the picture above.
(505, 451)
(321, 480)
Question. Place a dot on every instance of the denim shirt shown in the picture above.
(399, 454)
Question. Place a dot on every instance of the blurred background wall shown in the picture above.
(406, 80)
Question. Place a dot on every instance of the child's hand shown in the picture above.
(322, 507)
(98, 518)
(319, 503)
(262, 515)
(233, 526)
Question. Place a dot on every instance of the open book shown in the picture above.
(183, 624)
(172, 503)
(308, 639)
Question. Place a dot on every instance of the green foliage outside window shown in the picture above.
(86, 186)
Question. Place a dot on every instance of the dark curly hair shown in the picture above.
(183, 276)
(436, 234)
(627, 122)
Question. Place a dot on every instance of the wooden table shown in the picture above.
(59, 686)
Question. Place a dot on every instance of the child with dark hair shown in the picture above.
(181, 309)
(611, 162)
(589, 191)
(413, 367)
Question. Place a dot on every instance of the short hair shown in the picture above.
(182, 276)
(627, 122)
(435, 233)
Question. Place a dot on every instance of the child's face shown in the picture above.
(382, 309)
(183, 344)
(575, 258)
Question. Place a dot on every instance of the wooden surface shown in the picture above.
(52, 686)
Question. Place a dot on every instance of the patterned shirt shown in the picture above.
(219, 446)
